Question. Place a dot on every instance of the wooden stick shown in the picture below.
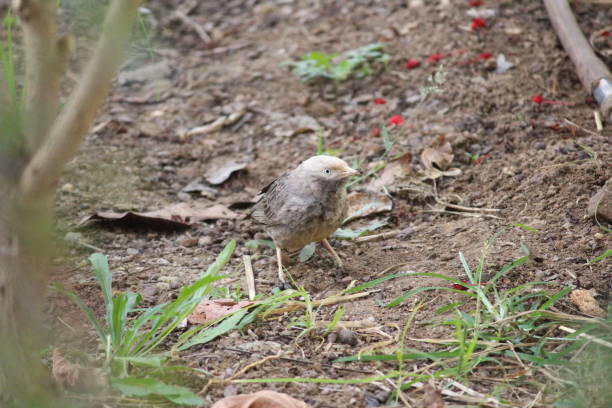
(593, 73)
(598, 124)
(250, 278)
(332, 300)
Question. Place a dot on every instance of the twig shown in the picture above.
(378, 237)
(332, 300)
(246, 368)
(598, 124)
(194, 26)
(465, 214)
(42, 173)
(393, 268)
(463, 208)
(577, 126)
(295, 360)
(474, 393)
(587, 336)
(250, 279)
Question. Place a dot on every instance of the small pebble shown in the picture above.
(205, 240)
(346, 336)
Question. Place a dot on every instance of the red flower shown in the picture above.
(539, 99)
(478, 23)
(485, 55)
(380, 101)
(605, 34)
(475, 3)
(435, 58)
(412, 63)
(396, 120)
(376, 132)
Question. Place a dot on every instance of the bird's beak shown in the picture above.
(349, 172)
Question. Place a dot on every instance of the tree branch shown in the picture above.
(42, 173)
(45, 58)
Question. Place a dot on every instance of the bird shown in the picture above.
(305, 205)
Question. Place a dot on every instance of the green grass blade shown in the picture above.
(375, 282)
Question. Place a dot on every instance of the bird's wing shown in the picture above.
(269, 203)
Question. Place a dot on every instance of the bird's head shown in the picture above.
(327, 168)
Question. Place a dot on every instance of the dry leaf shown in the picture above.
(222, 169)
(261, 399)
(176, 216)
(432, 398)
(390, 175)
(586, 303)
(439, 156)
(436, 160)
(64, 372)
(363, 204)
(218, 123)
(210, 310)
(600, 205)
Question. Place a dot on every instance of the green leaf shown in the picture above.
(105, 278)
(601, 257)
(207, 333)
(149, 361)
(307, 252)
(255, 243)
(143, 387)
(372, 283)
(526, 227)
(222, 259)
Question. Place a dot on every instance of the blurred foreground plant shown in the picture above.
(36, 139)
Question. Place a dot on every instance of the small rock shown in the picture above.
(188, 242)
(68, 188)
(172, 281)
(371, 400)
(540, 146)
(205, 240)
(131, 251)
(162, 261)
(162, 286)
(346, 336)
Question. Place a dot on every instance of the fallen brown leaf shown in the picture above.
(210, 310)
(436, 160)
(221, 169)
(363, 204)
(391, 174)
(261, 399)
(64, 372)
(176, 216)
(586, 303)
(432, 398)
(439, 156)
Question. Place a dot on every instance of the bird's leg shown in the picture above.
(331, 251)
(279, 261)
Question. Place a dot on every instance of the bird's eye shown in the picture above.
(327, 171)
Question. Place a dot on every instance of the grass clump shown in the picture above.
(357, 63)
(509, 334)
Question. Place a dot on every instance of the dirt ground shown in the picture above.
(539, 164)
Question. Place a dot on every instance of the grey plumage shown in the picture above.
(305, 205)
